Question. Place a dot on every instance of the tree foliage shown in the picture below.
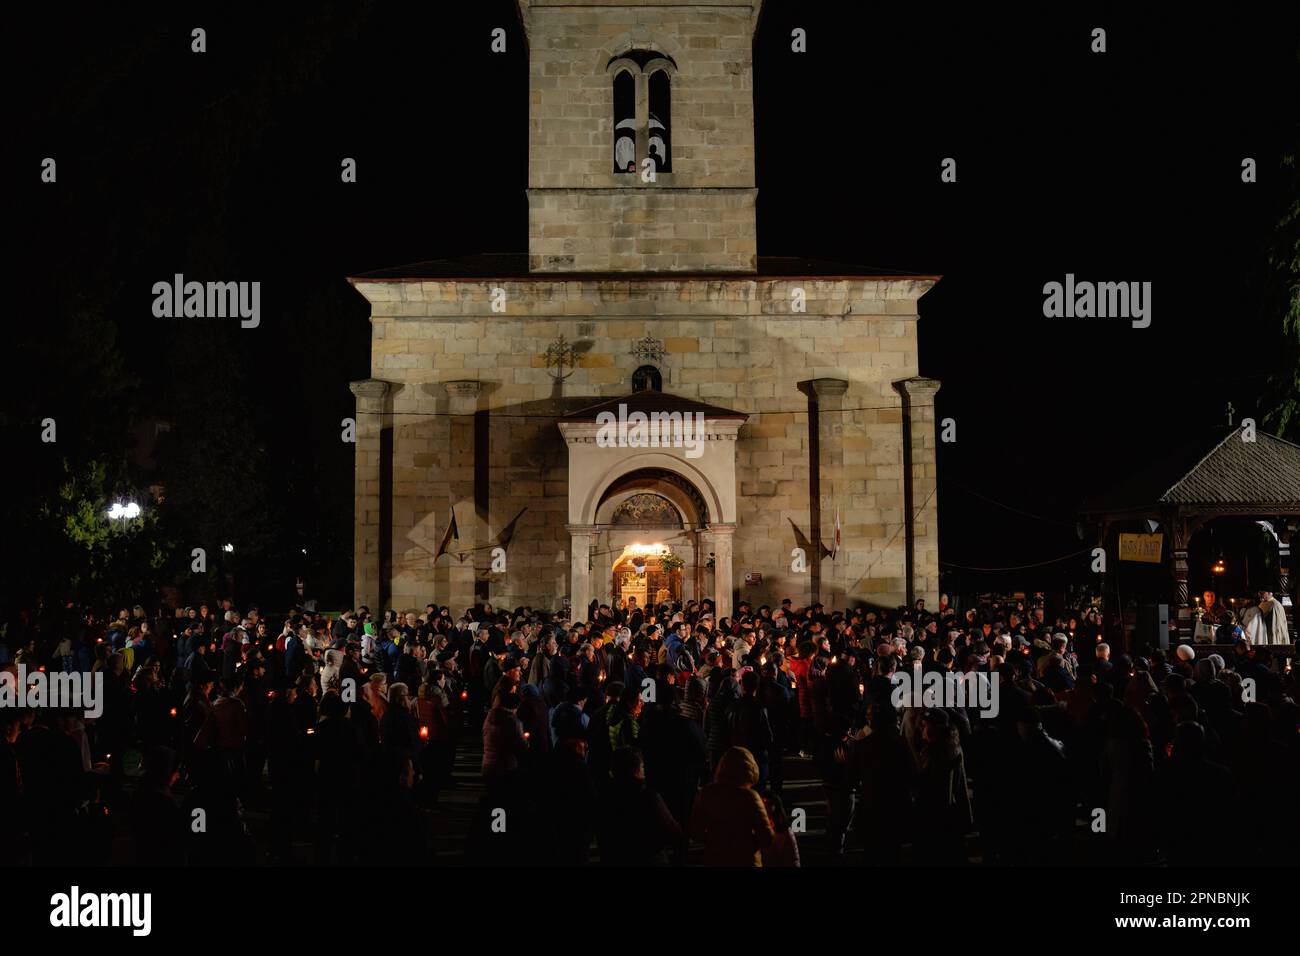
(1283, 258)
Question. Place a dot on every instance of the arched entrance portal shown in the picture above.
(688, 501)
(649, 523)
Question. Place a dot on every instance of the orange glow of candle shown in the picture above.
(173, 711)
(424, 733)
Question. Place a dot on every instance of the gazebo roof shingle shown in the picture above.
(1234, 473)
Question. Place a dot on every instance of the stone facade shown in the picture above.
(465, 398)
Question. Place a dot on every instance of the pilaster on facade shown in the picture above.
(920, 488)
(371, 538)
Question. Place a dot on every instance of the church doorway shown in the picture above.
(652, 574)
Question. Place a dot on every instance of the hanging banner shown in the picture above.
(1141, 547)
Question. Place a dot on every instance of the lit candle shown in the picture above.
(173, 711)
(424, 733)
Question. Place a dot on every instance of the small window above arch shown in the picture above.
(647, 379)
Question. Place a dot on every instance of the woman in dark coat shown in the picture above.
(942, 800)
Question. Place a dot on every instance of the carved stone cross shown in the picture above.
(648, 349)
(559, 354)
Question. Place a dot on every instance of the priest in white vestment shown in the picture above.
(1265, 623)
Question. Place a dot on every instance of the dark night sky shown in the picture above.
(1122, 166)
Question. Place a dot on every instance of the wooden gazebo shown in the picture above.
(1243, 475)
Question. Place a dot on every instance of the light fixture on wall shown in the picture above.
(1218, 567)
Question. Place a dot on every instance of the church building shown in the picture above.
(642, 405)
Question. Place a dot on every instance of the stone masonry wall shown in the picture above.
(731, 342)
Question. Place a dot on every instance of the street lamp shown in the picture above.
(123, 511)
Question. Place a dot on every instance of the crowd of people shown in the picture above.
(643, 736)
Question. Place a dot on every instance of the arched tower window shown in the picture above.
(624, 122)
(647, 379)
(660, 121)
(642, 83)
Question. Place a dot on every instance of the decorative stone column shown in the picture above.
(722, 537)
(462, 404)
(825, 483)
(1283, 588)
(1286, 589)
(1182, 611)
(920, 483)
(581, 539)
(369, 537)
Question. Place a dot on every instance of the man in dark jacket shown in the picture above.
(295, 657)
(675, 759)
(566, 797)
(232, 652)
(751, 727)
(197, 666)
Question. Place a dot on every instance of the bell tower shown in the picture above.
(641, 135)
